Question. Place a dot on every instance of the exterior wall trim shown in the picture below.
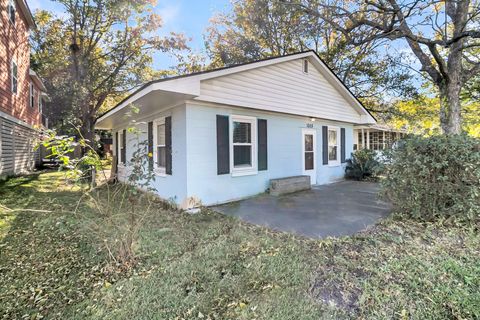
(208, 103)
(15, 120)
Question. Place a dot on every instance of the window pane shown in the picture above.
(161, 157)
(242, 156)
(14, 77)
(161, 134)
(308, 160)
(11, 11)
(332, 137)
(332, 153)
(242, 132)
(308, 142)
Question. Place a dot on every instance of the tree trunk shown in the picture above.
(88, 129)
(450, 112)
(450, 115)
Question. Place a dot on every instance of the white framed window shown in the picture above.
(11, 11)
(14, 76)
(333, 145)
(121, 143)
(305, 65)
(160, 146)
(243, 145)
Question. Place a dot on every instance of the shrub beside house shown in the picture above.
(435, 177)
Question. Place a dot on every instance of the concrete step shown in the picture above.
(289, 184)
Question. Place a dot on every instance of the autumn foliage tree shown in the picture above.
(442, 35)
(95, 52)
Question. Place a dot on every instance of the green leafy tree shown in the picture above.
(264, 28)
(95, 52)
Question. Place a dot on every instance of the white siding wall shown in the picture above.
(194, 178)
(285, 156)
(169, 187)
(282, 87)
(17, 143)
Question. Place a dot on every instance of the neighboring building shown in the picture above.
(21, 90)
(221, 135)
(376, 137)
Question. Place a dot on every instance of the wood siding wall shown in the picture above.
(17, 143)
(282, 87)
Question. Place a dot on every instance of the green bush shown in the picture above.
(363, 165)
(432, 177)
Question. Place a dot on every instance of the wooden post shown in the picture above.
(363, 139)
(368, 139)
(113, 171)
(384, 140)
(93, 178)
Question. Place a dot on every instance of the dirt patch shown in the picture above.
(328, 289)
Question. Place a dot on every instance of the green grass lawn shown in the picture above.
(209, 266)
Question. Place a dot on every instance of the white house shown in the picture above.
(221, 135)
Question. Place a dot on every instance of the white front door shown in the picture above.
(309, 145)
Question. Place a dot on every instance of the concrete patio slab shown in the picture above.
(337, 209)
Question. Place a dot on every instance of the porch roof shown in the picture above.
(379, 127)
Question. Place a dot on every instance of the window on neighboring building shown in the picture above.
(32, 96)
(160, 145)
(11, 10)
(243, 143)
(333, 145)
(14, 76)
(40, 103)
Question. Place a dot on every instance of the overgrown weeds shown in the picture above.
(120, 210)
(210, 266)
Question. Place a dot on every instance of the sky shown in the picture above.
(190, 17)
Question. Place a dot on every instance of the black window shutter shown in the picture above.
(168, 145)
(262, 145)
(342, 145)
(124, 145)
(325, 144)
(150, 145)
(116, 148)
(223, 145)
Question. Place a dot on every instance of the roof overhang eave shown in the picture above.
(27, 13)
(190, 89)
(37, 80)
